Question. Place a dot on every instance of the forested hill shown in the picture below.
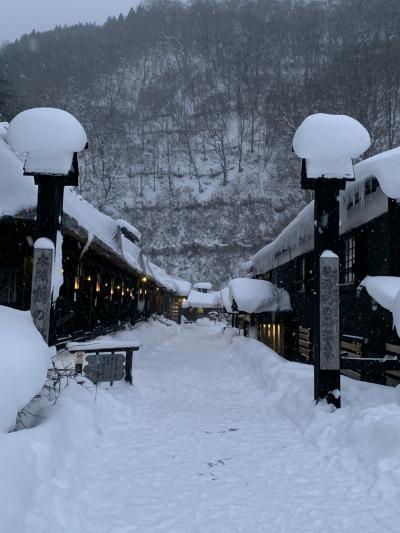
(190, 111)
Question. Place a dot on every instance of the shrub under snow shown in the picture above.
(24, 360)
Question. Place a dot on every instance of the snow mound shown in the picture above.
(257, 296)
(24, 360)
(328, 143)
(208, 300)
(385, 167)
(203, 285)
(45, 129)
(386, 291)
(123, 224)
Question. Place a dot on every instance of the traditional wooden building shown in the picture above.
(369, 245)
(106, 278)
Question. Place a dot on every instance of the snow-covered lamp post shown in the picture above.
(327, 145)
(50, 138)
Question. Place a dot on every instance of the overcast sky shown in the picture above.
(22, 16)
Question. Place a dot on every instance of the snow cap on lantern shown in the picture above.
(328, 143)
(50, 138)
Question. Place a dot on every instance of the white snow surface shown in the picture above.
(386, 291)
(328, 143)
(208, 300)
(24, 360)
(205, 285)
(218, 435)
(178, 286)
(51, 163)
(226, 299)
(385, 167)
(297, 237)
(132, 253)
(46, 130)
(383, 289)
(130, 229)
(253, 295)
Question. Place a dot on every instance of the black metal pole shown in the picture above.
(326, 237)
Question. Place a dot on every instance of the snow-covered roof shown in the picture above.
(203, 299)
(386, 291)
(130, 230)
(178, 286)
(357, 207)
(385, 167)
(204, 285)
(383, 289)
(328, 143)
(132, 254)
(257, 296)
(18, 195)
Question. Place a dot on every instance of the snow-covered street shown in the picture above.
(204, 443)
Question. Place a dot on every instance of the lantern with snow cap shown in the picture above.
(50, 139)
(327, 145)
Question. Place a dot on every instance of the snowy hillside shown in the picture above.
(190, 110)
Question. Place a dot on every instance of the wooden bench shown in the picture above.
(352, 348)
(305, 343)
(356, 364)
(105, 359)
(392, 376)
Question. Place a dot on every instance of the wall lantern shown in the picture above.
(76, 283)
(144, 279)
(98, 284)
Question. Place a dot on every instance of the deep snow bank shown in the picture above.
(24, 360)
(367, 425)
(29, 458)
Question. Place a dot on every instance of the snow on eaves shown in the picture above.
(132, 254)
(178, 286)
(208, 300)
(124, 225)
(204, 285)
(257, 296)
(297, 238)
(18, 194)
(385, 167)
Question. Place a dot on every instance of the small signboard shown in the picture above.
(104, 367)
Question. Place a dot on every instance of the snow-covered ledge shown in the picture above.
(386, 291)
(385, 167)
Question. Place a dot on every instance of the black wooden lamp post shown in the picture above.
(325, 327)
(51, 139)
(326, 145)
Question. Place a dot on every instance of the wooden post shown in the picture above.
(326, 237)
(328, 374)
(48, 224)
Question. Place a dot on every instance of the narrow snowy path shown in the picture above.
(196, 447)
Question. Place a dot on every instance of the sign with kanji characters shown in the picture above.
(41, 289)
(329, 312)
